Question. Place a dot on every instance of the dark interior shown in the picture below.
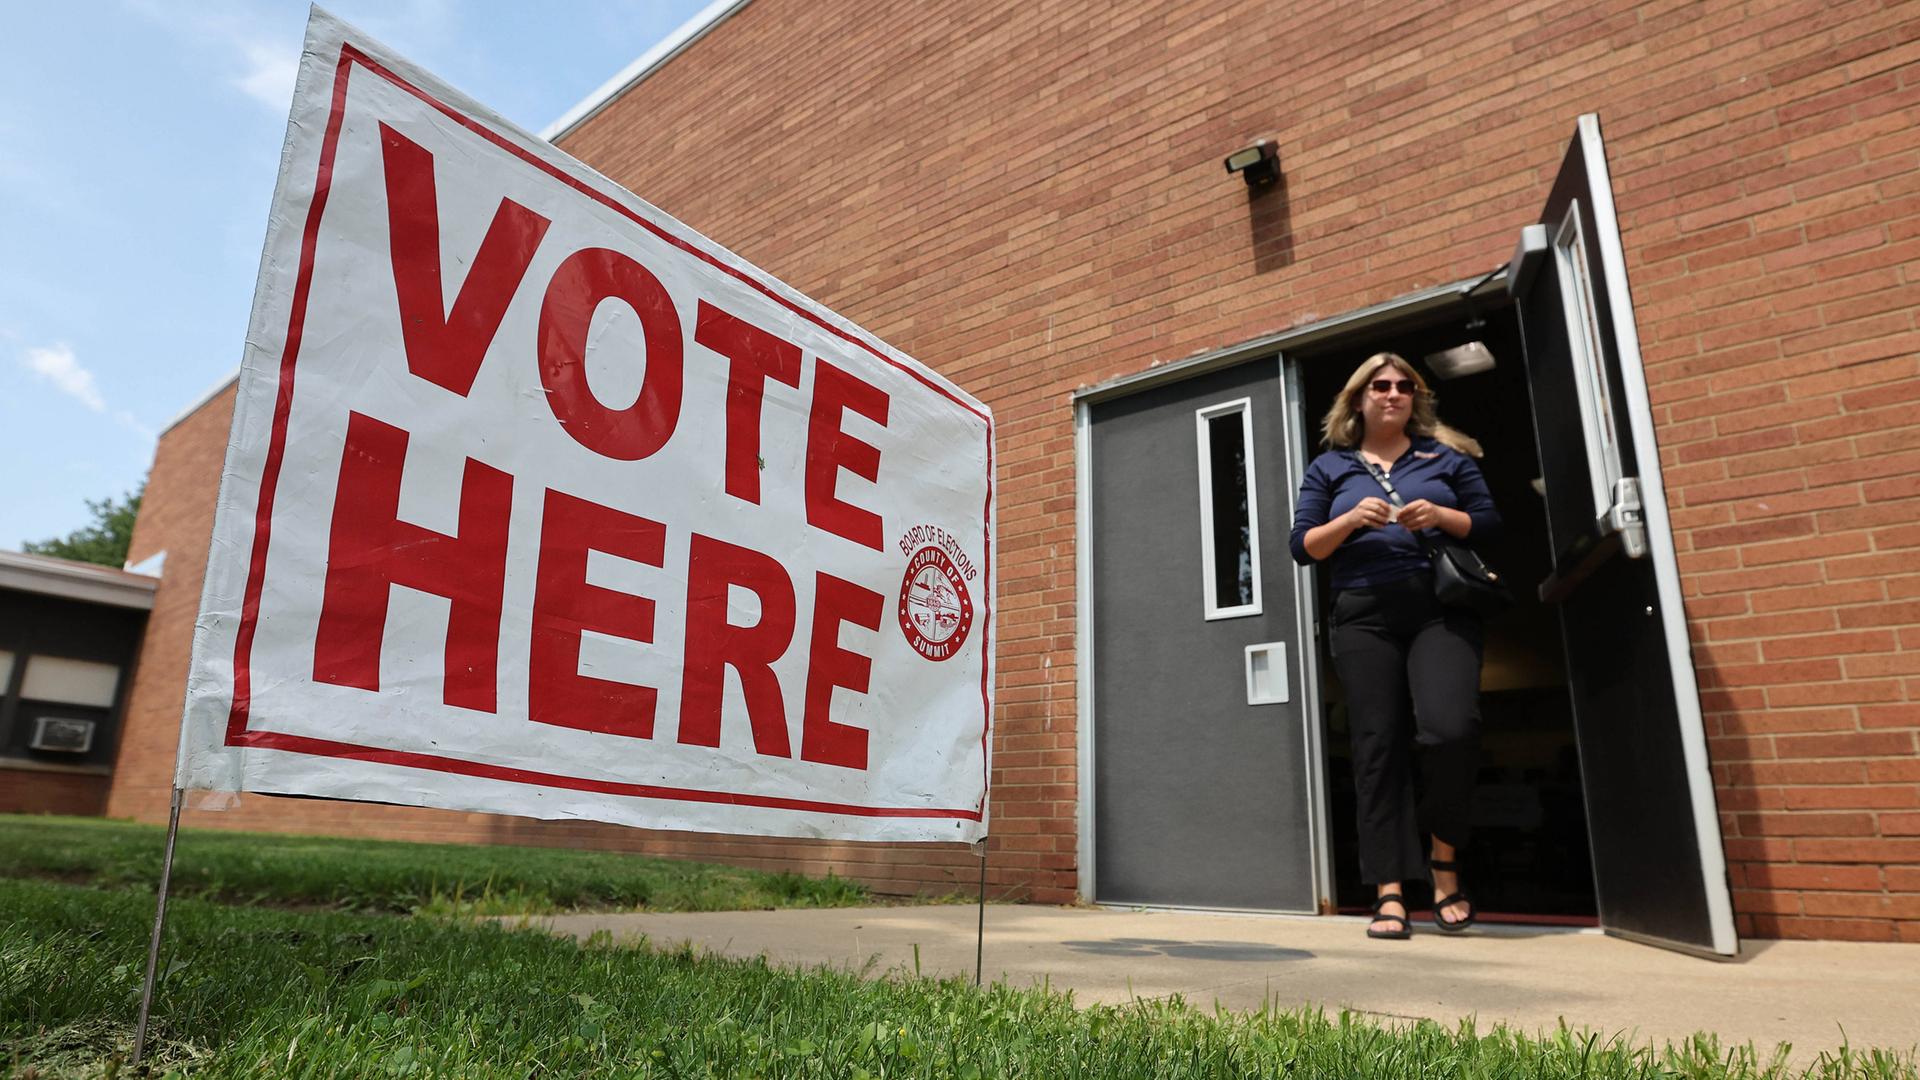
(1529, 859)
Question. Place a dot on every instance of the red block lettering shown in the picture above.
(564, 605)
(714, 644)
(370, 549)
(756, 356)
(587, 278)
(445, 347)
(830, 449)
(829, 666)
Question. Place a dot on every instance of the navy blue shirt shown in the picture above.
(1337, 481)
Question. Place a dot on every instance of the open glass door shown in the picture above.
(1659, 867)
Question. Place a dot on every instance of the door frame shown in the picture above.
(1276, 346)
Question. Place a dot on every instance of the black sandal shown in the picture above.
(1406, 928)
(1457, 897)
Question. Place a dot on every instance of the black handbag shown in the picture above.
(1461, 578)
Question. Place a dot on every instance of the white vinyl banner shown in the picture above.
(538, 502)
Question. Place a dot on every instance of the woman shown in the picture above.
(1391, 639)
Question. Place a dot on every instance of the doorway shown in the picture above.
(1209, 722)
(1529, 861)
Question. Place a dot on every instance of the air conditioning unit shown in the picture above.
(62, 734)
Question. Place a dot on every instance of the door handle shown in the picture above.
(1622, 530)
(1626, 518)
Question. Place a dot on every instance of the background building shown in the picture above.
(68, 635)
(1030, 198)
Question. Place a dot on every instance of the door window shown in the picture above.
(1229, 518)
(1589, 374)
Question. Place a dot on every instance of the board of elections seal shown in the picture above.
(935, 609)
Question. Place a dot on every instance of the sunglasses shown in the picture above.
(1381, 386)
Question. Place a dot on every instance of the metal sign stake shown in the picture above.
(159, 921)
(980, 939)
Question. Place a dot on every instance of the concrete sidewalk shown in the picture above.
(1813, 994)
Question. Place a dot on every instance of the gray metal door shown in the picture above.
(1201, 794)
(1659, 870)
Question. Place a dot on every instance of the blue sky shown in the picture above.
(138, 144)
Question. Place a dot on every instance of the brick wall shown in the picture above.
(1030, 198)
(176, 517)
(24, 791)
(1777, 270)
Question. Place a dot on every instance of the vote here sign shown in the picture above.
(538, 502)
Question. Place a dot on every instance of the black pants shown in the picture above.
(1393, 644)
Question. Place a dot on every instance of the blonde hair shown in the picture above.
(1343, 425)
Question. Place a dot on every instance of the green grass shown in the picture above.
(266, 992)
(383, 876)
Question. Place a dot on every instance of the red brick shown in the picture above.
(1791, 721)
(1770, 529)
(1722, 666)
(1849, 644)
(1754, 580)
(1783, 926)
(1848, 878)
(1858, 744)
(1755, 849)
(1855, 691)
(1766, 626)
(1863, 906)
(1825, 249)
(1869, 565)
(1857, 851)
(1795, 772)
(1894, 539)
(1722, 700)
(1893, 769)
(1852, 797)
(1890, 716)
(1752, 901)
(1906, 613)
(1817, 596)
(1863, 517)
(1775, 505)
(1868, 667)
(29, 792)
(1788, 823)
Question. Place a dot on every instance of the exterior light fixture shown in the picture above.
(1258, 165)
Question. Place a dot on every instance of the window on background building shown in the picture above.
(56, 679)
(62, 708)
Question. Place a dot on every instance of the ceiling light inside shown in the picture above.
(1470, 359)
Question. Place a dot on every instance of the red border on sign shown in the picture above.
(238, 733)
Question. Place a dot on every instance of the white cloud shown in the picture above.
(132, 423)
(261, 43)
(271, 69)
(57, 365)
(261, 60)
